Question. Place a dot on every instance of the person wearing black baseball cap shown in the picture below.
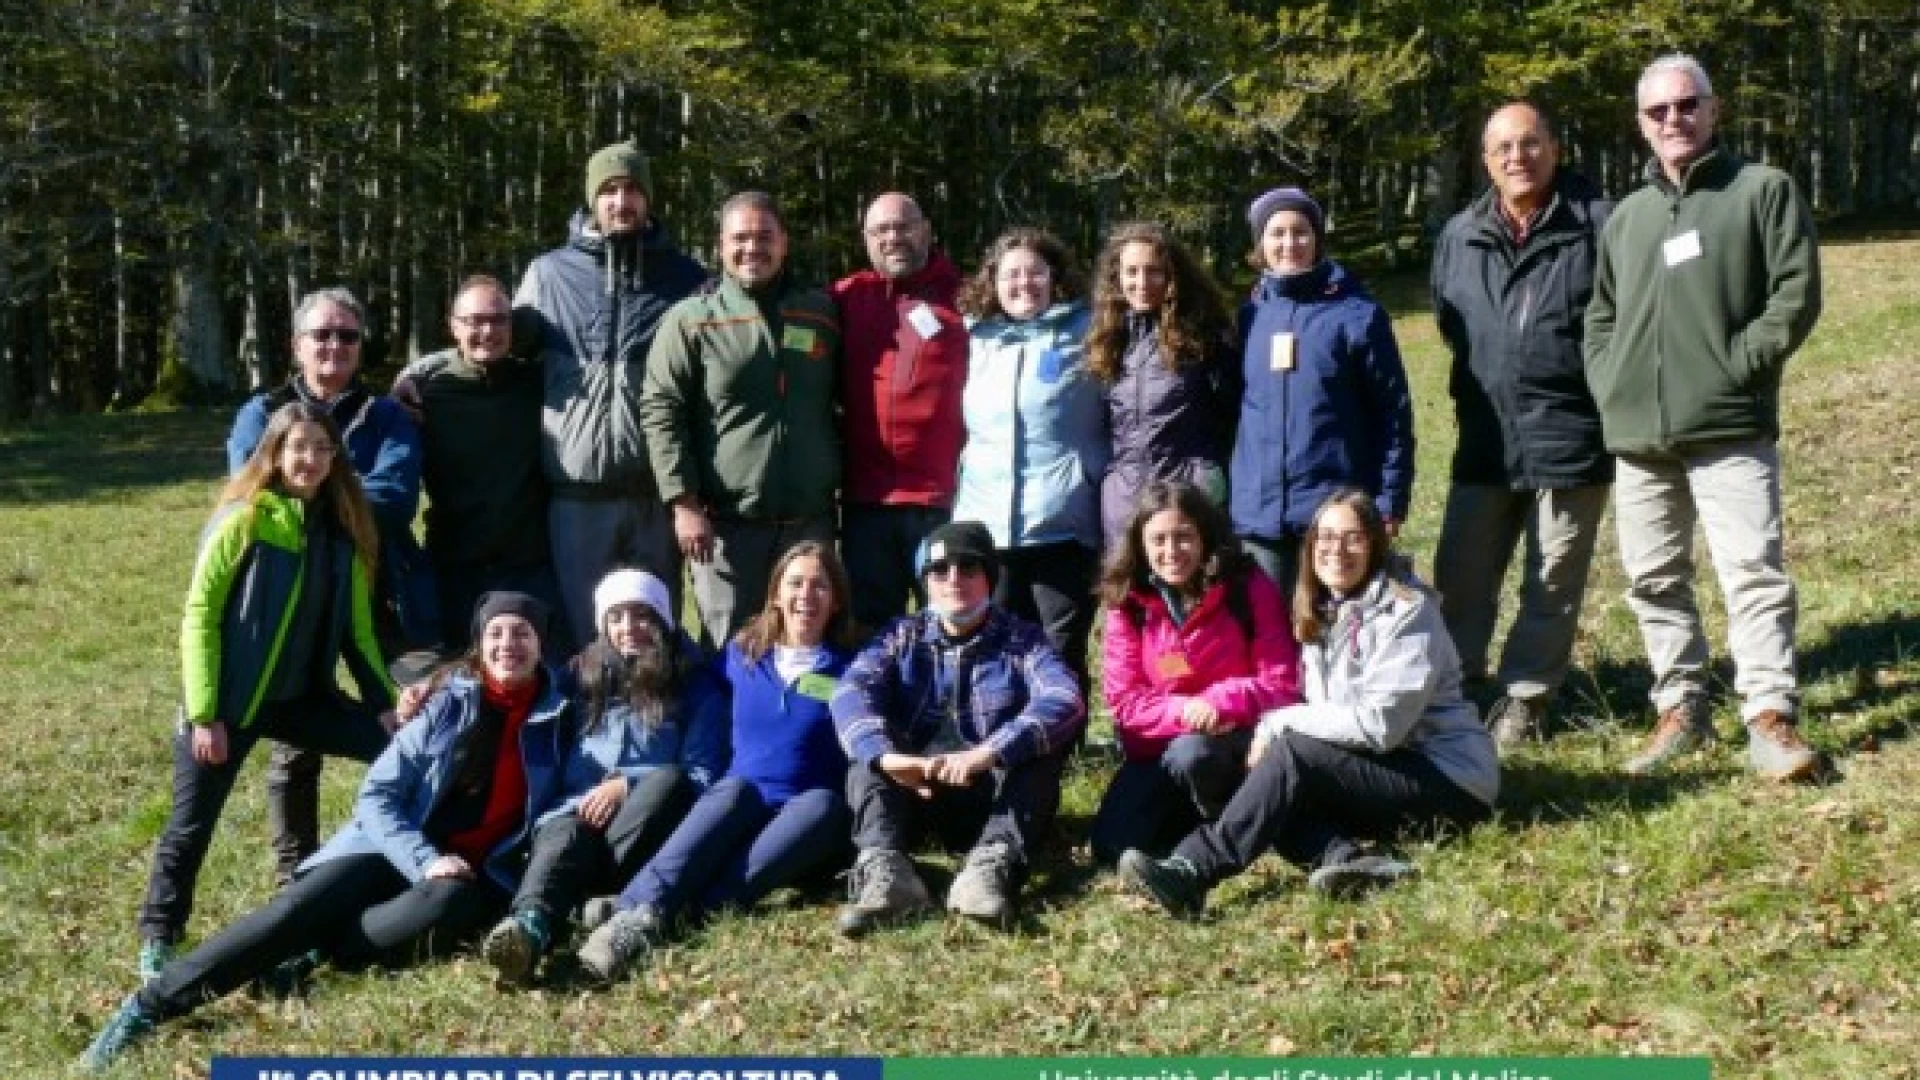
(956, 719)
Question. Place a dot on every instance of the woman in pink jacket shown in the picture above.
(1197, 646)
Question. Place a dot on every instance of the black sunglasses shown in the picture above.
(345, 335)
(1658, 113)
(964, 563)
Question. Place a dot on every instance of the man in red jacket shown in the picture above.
(904, 366)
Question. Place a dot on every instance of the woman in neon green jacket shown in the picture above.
(280, 593)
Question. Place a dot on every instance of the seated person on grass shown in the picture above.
(1197, 646)
(1384, 742)
(956, 718)
(432, 854)
(779, 816)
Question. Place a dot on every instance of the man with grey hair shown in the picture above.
(1511, 277)
(738, 410)
(1708, 281)
(383, 446)
(901, 380)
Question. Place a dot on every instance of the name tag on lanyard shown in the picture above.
(1283, 349)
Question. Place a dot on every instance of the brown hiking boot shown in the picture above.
(1682, 729)
(1775, 749)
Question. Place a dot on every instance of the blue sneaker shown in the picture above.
(129, 1025)
(155, 955)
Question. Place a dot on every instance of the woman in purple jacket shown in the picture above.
(1162, 343)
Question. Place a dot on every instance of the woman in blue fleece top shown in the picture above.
(779, 816)
(653, 739)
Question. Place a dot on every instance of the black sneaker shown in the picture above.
(1174, 883)
(1358, 876)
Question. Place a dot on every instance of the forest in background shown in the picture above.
(175, 173)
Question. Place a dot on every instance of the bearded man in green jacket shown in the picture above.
(1708, 280)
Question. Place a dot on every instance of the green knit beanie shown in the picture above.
(620, 159)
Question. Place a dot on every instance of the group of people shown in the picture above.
(973, 469)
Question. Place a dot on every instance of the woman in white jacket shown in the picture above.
(1383, 742)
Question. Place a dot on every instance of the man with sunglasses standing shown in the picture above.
(1709, 279)
(383, 446)
(1511, 278)
(486, 493)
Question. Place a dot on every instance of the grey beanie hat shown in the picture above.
(1286, 198)
(619, 159)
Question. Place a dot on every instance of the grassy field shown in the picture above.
(1773, 929)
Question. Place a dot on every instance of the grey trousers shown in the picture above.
(1732, 491)
(1482, 526)
(593, 536)
(732, 586)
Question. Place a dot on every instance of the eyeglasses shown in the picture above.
(891, 228)
(486, 319)
(1686, 106)
(966, 565)
(1531, 146)
(1352, 542)
(321, 450)
(1037, 273)
(345, 335)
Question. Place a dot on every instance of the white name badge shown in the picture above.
(1682, 248)
(924, 321)
(1282, 359)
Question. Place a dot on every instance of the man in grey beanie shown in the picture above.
(590, 307)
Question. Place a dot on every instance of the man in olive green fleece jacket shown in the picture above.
(1708, 280)
(739, 410)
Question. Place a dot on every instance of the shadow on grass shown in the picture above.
(78, 459)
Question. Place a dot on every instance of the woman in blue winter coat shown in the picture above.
(780, 815)
(434, 848)
(1162, 344)
(652, 740)
(1037, 440)
(1326, 404)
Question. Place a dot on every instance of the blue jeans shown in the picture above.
(735, 847)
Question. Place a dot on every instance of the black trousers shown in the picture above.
(1005, 806)
(1052, 584)
(323, 723)
(1150, 805)
(880, 544)
(357, 910)
(1310, 799)
(1279, 558)
(572, 860)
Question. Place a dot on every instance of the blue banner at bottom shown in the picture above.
(545, 1068)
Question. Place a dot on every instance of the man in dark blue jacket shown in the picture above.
(1511, 278)
(591, 308)
(384, 448)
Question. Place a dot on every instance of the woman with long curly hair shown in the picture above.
(1162, 343)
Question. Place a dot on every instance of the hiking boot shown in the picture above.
(128, 1026)
(882, 887)
(595, 912)
(155, 955)
(515, 945)
(621, 942)
(1173, 882)
(987, 888)
(1682, 729)
(1354, 878)
(1775, 749)
(1514, 720)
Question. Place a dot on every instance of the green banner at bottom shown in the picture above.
(1428, 1068)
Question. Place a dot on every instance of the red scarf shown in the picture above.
(507, 797)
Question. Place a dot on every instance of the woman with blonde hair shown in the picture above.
(281, 592)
